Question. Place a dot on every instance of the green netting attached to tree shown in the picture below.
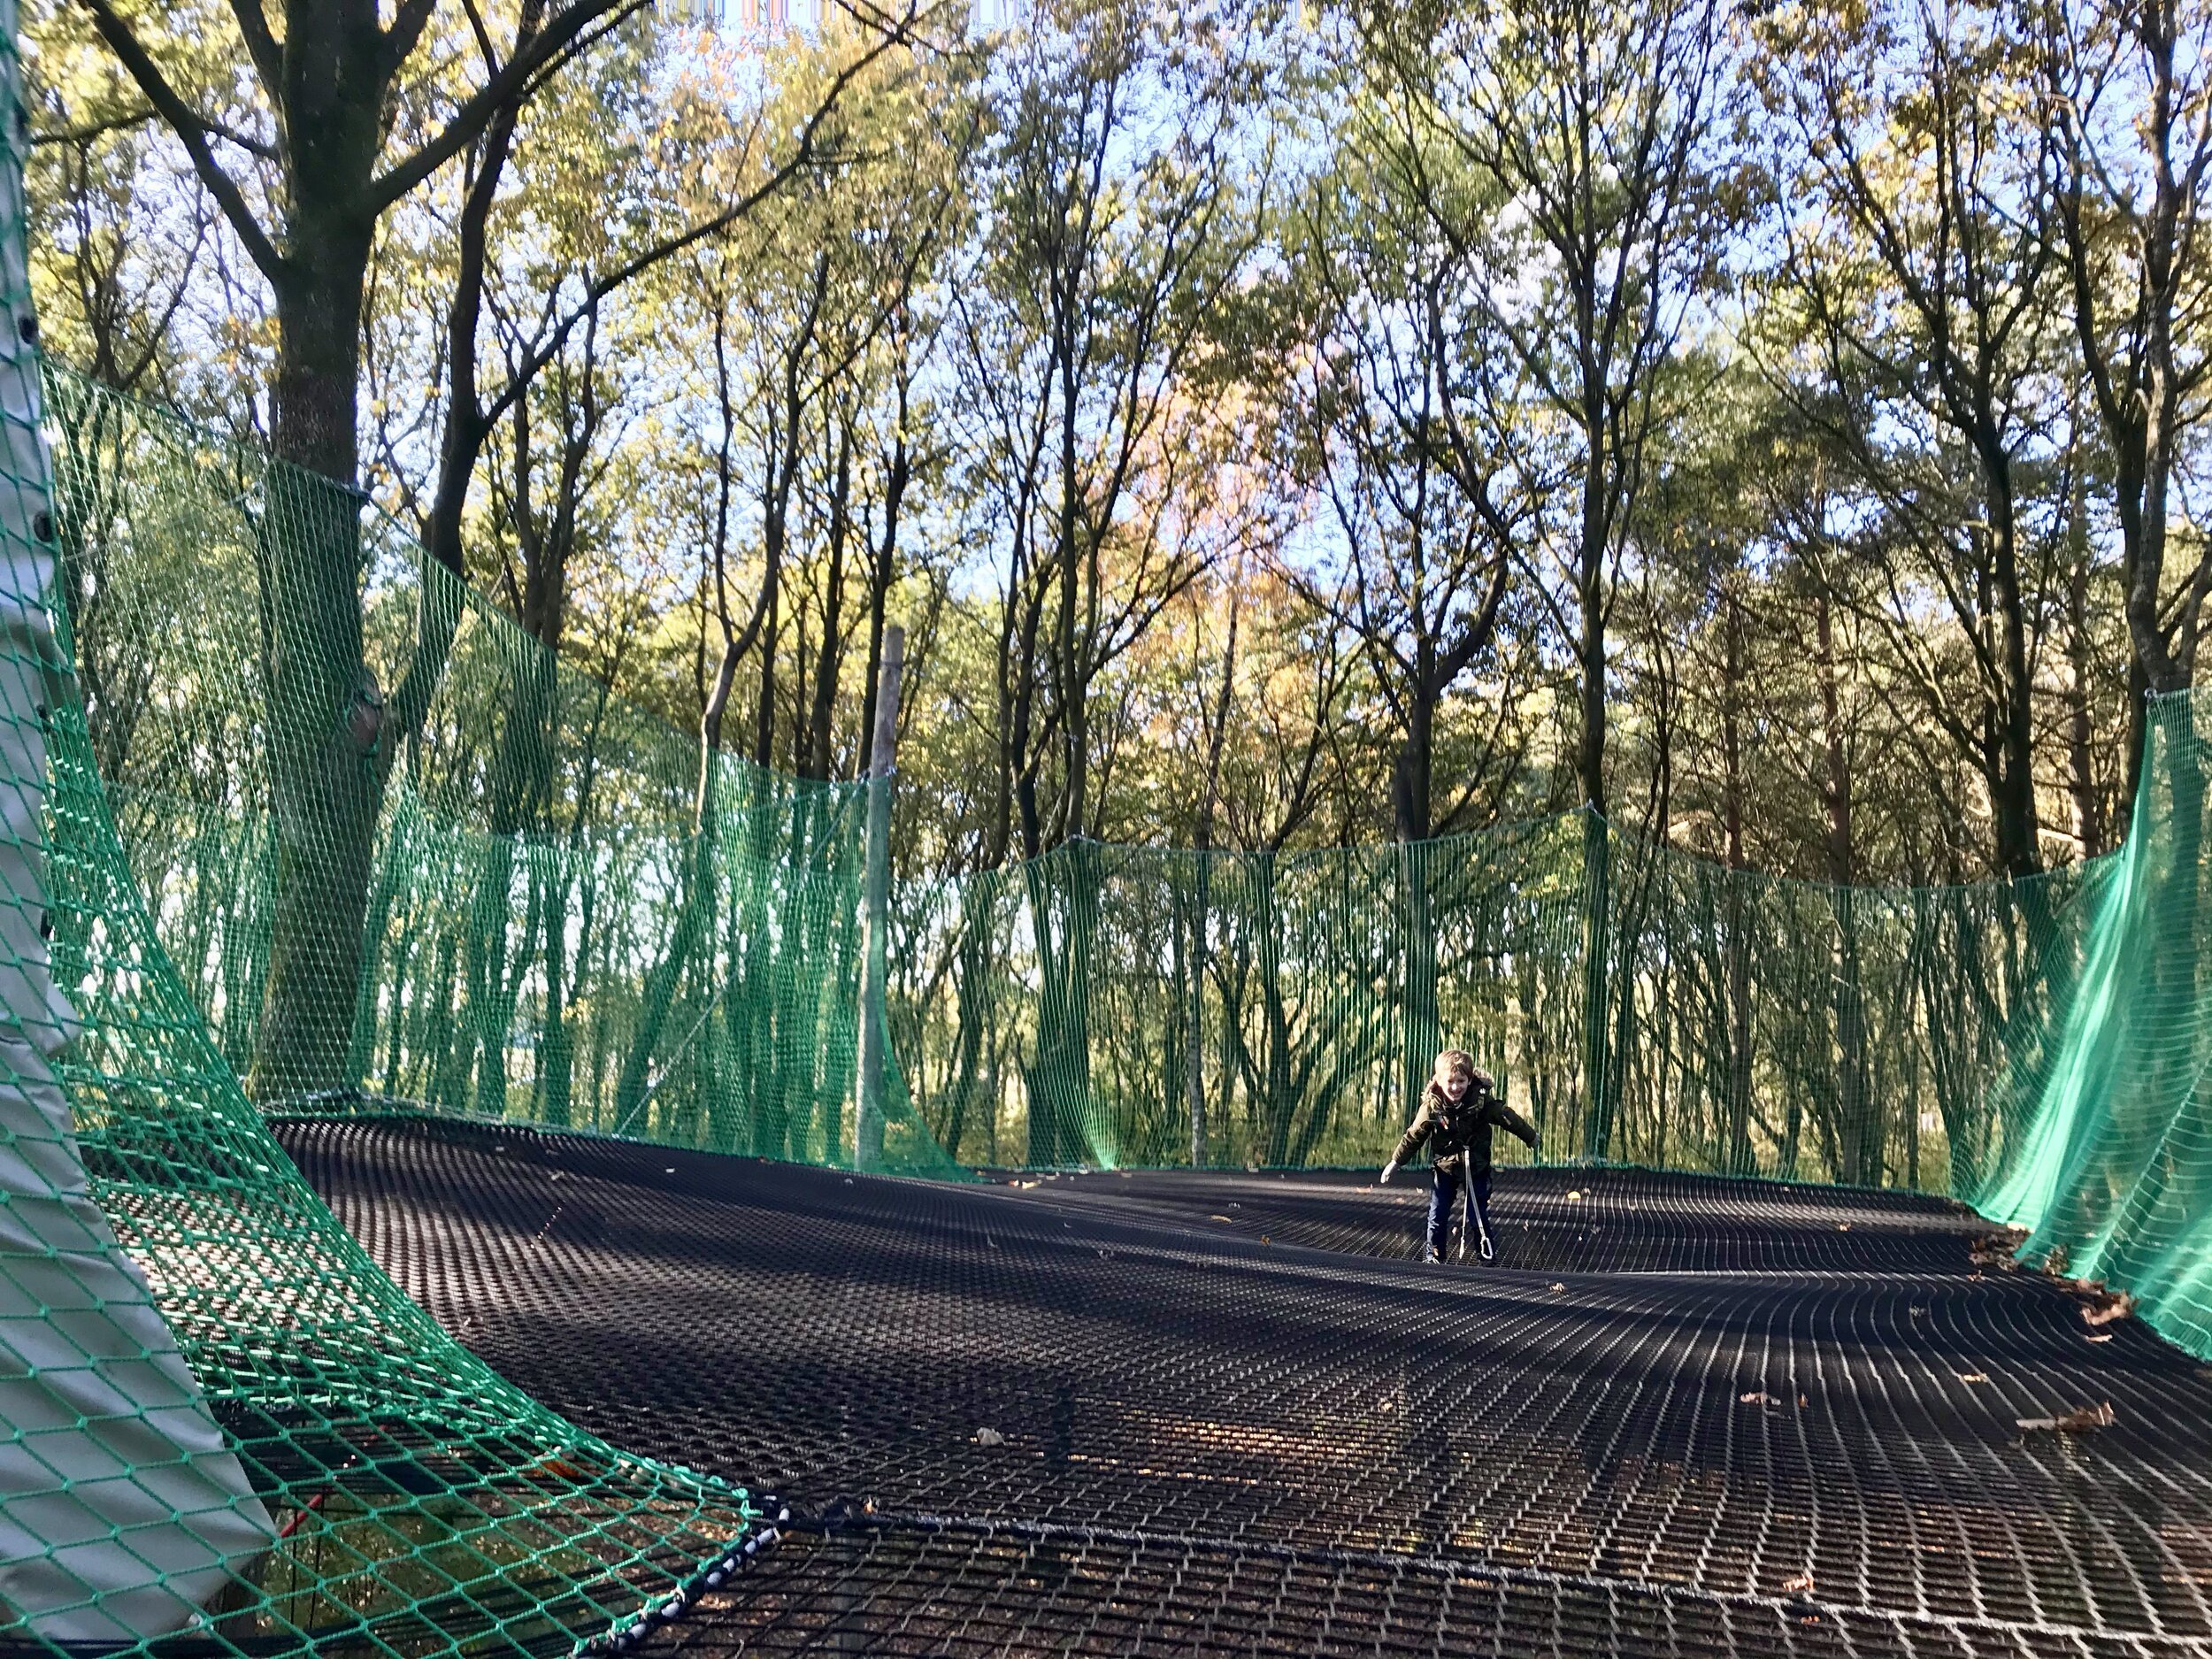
(556, 929)
(563, 921)
(220, 1425)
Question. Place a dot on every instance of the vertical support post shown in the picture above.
(875, 914)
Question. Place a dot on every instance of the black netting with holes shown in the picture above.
(1207, 1413)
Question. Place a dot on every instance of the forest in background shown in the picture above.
(1772, 427)
(1777, 426)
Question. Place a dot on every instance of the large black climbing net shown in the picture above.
(1222, 1414)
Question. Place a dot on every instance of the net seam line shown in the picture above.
(891, 1522)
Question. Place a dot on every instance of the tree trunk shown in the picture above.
(325, 711)
(830, 660)
(2018, 847)
(1858, 1117)
(1597, 861)
(2089, 818)
(1737, 917)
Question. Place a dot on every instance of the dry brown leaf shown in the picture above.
(2098, 1336)
(1798, 1584)
(990, 1437)
(2074, 1422)
(1574, 1197)
(1973, 1376)
(2105, 1309)
(1558, 1287)
(1757, 1398)
(1843, 1226)
(1220, 1217)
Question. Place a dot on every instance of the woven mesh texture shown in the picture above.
(1226, 1414)
(222, 1429)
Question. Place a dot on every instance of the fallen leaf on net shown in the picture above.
(2096, 1416)
(1843, 1226)
(1558, 1287)
(990, 1437)
(2105, 1309)
(1802, 1403)
(1574, 1198)
(2100, 1336)
(1798, 1584)
(1973, 1376)
(1757, 1398)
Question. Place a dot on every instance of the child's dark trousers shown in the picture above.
(1444, 1198)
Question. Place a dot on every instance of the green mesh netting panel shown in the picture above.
(220, 1425)
(555, 929)
(1085, 1008)
(557, 924)
(2113, 1170)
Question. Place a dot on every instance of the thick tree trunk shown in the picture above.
(325, 711)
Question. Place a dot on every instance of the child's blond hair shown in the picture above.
(1454, 1063)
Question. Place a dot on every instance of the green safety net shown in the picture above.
(563, 920)
(2112, 1172)
(1637, 1004)
(222, 1429)
(391, 853)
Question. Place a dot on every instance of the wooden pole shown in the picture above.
(875, 916)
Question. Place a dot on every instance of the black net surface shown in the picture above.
(1219, 1414)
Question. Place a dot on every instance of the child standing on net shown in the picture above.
(1460, 1110)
